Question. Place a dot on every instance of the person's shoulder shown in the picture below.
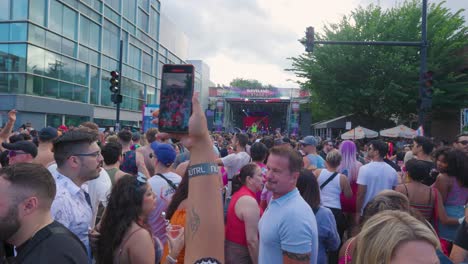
(174, 176)
(62, 243)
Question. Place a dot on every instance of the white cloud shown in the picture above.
(253, 38)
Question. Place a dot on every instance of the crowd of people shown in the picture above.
(80, 195)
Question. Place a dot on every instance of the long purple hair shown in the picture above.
(349, 165)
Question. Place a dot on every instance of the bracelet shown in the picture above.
(202, 169)
(170, 259)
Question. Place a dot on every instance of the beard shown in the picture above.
(9, 224)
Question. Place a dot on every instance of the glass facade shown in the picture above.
(65, 49)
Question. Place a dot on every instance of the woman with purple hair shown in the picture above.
(350, 167)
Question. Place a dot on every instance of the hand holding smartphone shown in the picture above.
(177, 86)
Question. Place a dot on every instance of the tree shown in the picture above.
(382, 81)
(247, 83)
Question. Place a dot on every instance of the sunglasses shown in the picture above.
(463, 142)
(14, 153)
(141, 179)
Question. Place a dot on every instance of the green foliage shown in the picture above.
(247, 83)
(382, 81)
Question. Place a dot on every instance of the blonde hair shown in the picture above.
(334, 158)
(384, 232)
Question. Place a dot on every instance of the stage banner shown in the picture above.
(269, 93)
(150, 116)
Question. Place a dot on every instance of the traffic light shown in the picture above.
(427, 90)
(116, 97)
(310, 38)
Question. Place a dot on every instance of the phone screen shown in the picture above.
(176, 98)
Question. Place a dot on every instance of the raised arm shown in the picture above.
(204, 233)
(6, 131)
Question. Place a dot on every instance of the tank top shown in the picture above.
(156, 243)
(458, 195)
(426, 210)
(330, 194)
(112, 173)
(235, 228)
(129, 163)
(178, 218)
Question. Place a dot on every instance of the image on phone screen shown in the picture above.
(176, 98)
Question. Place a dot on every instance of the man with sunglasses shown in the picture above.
(79, 160)
(462, 142)
(20, 152)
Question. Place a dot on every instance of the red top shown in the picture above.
(235, 228)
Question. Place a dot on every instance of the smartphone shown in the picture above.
(175, 104)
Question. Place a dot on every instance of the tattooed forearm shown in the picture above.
(194, 222)
(297, 256)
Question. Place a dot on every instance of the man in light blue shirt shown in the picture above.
(288, 229)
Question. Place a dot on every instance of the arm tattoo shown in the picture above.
(297, 256)
(194, 223)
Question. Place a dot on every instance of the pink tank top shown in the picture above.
(458, 195)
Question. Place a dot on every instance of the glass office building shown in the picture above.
(56, 57)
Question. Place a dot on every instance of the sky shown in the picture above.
(252, 39)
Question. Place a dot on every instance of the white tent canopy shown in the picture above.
(399, 131)
(359, 133)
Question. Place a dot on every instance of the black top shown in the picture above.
(392, 164)
(461, 239)
(52, 244)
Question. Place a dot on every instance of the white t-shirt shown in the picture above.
(161, 188)
(377, 176)
(98, 190)
(234, 162)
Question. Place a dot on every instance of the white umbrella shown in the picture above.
(359, 133)
(399, 131)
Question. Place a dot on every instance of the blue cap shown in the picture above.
(309, 140)
(165, 153)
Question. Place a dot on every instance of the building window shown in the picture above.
(154, 25)
(37, 35)
(115, 4)
(90, 33)
(20, 9)
(95, 78)
(134, 54)
(143, 20)
(5, 10)
(69, 26)
(36, 58)
(13, 57)
(53, 120)
(129, 10)
(37, 11)
(110, 39)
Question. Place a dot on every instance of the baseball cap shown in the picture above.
(165, 153)
(48, 133)
(309, 140)
(24, 145)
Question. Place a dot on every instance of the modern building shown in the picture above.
(205, 83)
(56, 57)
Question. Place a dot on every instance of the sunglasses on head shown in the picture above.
(141, 179)
(14, 153)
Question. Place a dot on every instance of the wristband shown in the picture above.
(202, 169)
(171, 260)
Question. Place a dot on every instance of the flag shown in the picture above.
(420, 131)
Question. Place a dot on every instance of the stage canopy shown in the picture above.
(398, 131)
(360, 133)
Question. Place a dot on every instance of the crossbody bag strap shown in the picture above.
(173, 186)
(328, 180)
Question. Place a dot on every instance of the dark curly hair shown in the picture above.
(124, 207)
(457, 162)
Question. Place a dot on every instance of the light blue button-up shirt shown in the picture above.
(70, 207)
(288, 224)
